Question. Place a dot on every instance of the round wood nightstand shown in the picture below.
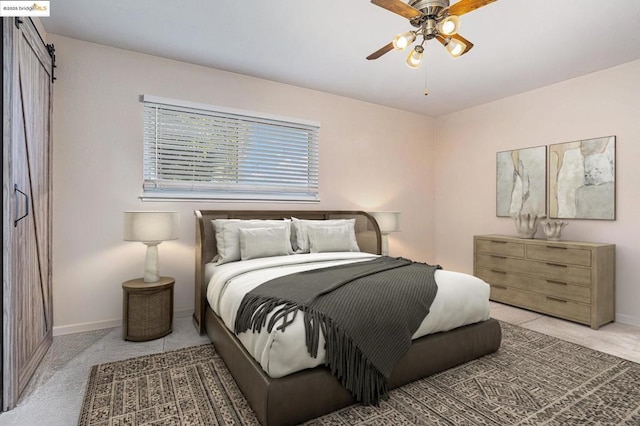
(147, 309)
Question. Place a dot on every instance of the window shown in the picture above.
(196, 151)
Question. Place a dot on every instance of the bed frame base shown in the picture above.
(314, 392)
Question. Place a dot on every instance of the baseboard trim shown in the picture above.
(112, 323)
(183, 313)
(86, 326)
(188, 312)
(628, 319)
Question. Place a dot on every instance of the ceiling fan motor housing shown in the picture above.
(431, 8)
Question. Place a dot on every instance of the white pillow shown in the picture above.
(301, 227)
(330, 238)
(264, 242)
(228, 235)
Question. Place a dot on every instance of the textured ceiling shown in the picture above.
(520, 45)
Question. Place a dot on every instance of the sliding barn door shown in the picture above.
(27, 300)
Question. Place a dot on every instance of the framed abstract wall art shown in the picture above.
(521, 181)
(582, 179)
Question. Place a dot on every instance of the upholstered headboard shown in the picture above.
(367, 235)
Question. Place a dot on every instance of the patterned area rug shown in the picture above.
(533, 379)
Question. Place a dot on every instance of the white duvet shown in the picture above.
(461, 299)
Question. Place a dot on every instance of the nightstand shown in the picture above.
(147, 309)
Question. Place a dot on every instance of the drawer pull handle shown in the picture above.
(556, 265)
(557, 248)
(499, 286)
(556, 282)
(497, 271)
(498, 257)
(556, 299)
(498, 242)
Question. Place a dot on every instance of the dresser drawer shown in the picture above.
(554, 271)
(497, 246)
(550, 305)
(559, 254)
(548, 287)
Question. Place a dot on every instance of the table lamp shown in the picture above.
(151, 228)
(387, 222)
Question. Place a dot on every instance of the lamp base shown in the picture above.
(151, 263)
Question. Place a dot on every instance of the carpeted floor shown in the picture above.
(533, 379)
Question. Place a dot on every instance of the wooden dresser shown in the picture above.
(566, 279)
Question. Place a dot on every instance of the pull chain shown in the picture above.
(426, 90)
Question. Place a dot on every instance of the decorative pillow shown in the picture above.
(228, 235)
(330, 238)
(294, 240)
(301, 227)
(264, 242)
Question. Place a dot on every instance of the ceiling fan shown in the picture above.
(433, 19)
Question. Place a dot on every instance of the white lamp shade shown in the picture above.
(415, 56)
(149, 227)
(449, 25)
(456, 47)
(401, 41)
(387, 221)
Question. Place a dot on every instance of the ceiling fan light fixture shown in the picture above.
(401, 41)
(432, 19)
(449, 25)
(414, 58)
(455, 47)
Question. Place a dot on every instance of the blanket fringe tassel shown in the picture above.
(344, 359)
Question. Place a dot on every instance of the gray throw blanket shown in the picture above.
(367, 312)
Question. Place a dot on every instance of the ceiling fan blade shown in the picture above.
(381, 51)
(466, 6)
(396, 6)
(465, 41)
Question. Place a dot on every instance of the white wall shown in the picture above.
(600, 104)
(439, 173)
(367, 161)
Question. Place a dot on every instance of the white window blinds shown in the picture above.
(196, 151)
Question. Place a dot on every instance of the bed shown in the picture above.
(294, 397)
